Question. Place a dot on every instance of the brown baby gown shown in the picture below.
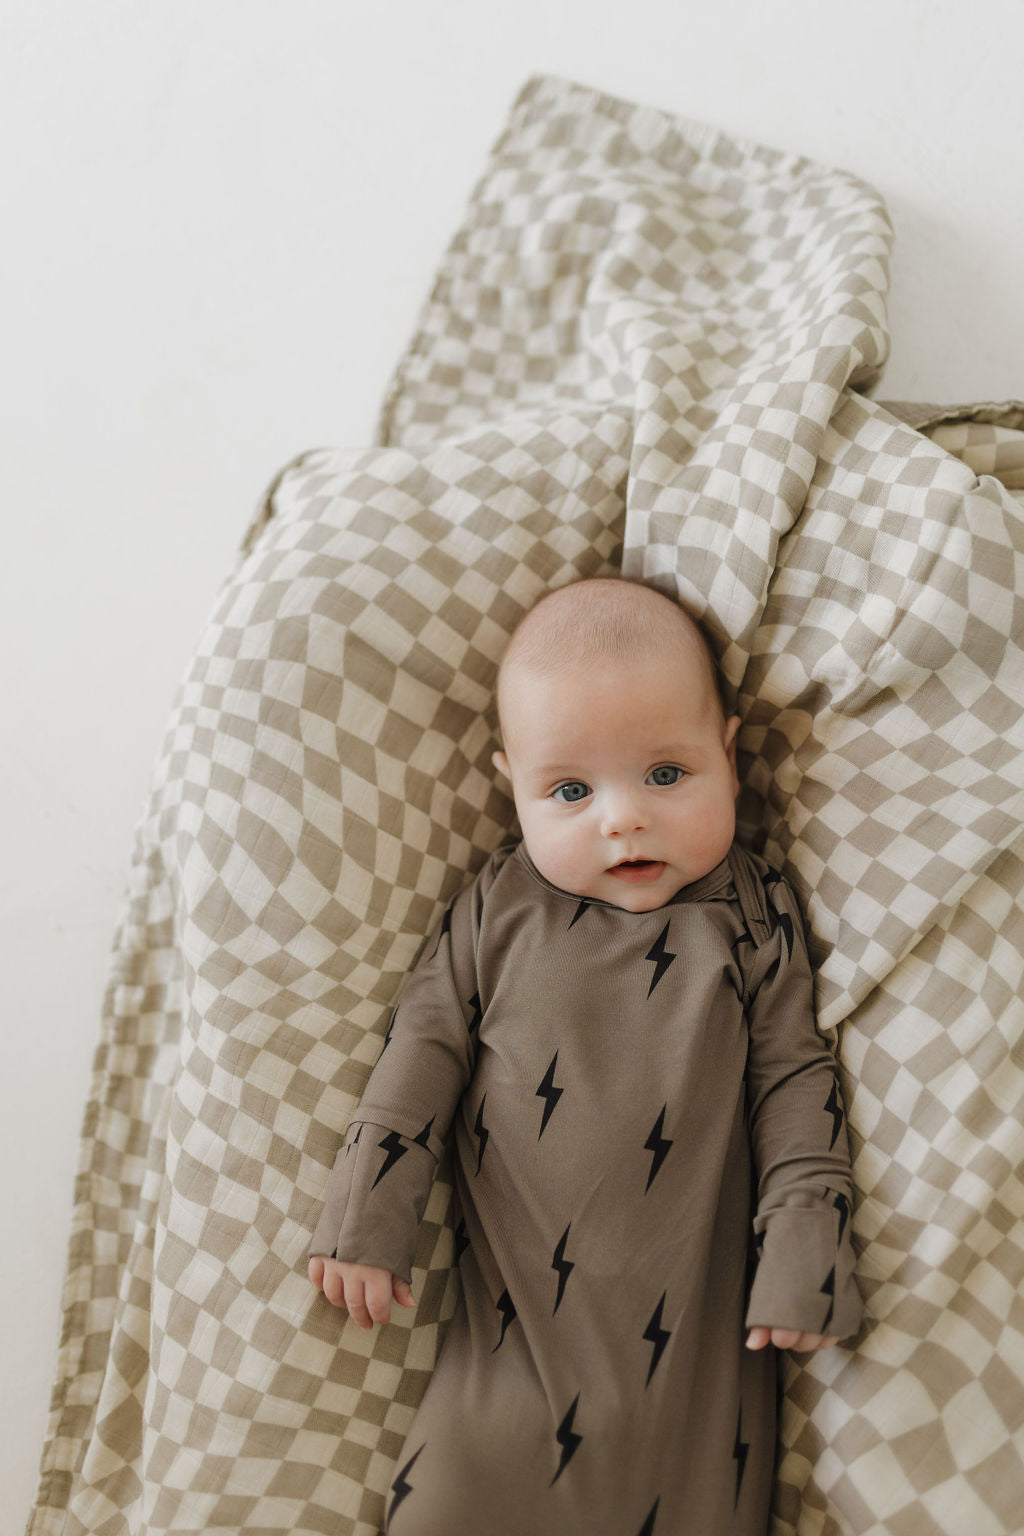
(608, 1075)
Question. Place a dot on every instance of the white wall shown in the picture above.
(219, 220)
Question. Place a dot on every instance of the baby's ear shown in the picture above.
(500, 762)
(732, 727)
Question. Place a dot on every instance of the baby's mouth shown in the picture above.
(637, 871)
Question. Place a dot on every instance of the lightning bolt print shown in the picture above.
(739, 1451)
(461, 1240)
(446, 927)
(658, 1146)
(391, 1030)
(833, 1107)
(657, 1336)
(478, 1013)
(829, 1290)
(661, 957)
(549, 1093)
(842, 1205)
(754, 1256)
(743, 939)
(579, 913)
(392, 1145)
(785, 923)
(506, 1307)
(567, 1439)
(423, 1139)
(788, 933)
(482, 1134)
(647, 1529)
(401, 1487)
(562, 1266)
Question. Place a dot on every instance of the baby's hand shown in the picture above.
(363, 1289)
(788, 1338)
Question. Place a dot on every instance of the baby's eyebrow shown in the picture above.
(674, 752)
(555, 771)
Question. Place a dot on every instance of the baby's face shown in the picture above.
(624, 777)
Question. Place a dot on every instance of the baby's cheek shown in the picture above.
(560, 857)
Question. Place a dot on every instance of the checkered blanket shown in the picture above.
(646, 349)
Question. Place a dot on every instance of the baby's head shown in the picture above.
(621, 759)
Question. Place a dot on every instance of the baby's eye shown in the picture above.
(665, 774)
(570, 792)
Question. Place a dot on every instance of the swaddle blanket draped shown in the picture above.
(644, 350)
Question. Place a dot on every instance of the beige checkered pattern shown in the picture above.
(644, 348)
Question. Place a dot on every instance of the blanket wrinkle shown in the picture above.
(680, 392)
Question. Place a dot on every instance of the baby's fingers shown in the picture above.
(368, 1297)
(332, 1283)
(808, 1341)
(787, 1338)
(402, 1292)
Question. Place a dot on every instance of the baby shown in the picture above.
(616, 1017)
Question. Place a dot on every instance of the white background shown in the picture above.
(219, 219)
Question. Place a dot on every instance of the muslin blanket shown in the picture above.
(647, 348)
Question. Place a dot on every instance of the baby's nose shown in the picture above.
(622, 814)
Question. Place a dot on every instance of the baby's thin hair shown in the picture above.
(602, 618)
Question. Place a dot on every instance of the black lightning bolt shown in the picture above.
(355, 1139)
(423, 1139)
(391, 1030)
(569, 1441)
(661, 957)
(506, 1307)
(744, 937)
(647, 1529)
(401, 1488)
(656, 1335)
(482, 1133)
(786, 924)
(461, 1240)
(562, 1266)
(579, 913)
(446, 927)
(842, 1205)
(549, 1093)
(739, 1451)
(833, 1107)
(788, 932)
(658, 1146)
(392, 1145)
(784, 921)
(478, 1013)
(829, 1290)
(754, 1257)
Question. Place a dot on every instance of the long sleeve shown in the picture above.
(382, 1175)
(804, 1276)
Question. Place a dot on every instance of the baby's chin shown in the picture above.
(638, 889)
(640, 901)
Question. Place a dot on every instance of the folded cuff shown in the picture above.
(804, 1278)
(375, 1200)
